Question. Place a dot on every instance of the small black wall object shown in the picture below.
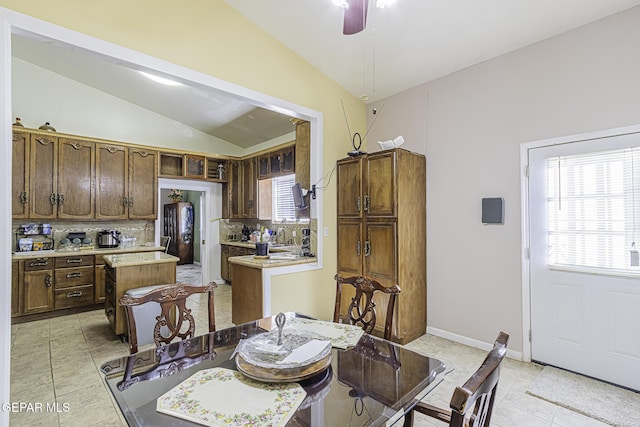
(493, 210)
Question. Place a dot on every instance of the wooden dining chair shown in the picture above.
(471, 404)
(362, 309)
(167, 304)
(164, 242)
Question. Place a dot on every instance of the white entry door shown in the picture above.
(585, 295)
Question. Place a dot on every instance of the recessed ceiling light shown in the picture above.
(160, 80)
(384, 3)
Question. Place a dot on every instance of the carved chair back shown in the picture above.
(362, 308)
(174, 320)
(471, 404)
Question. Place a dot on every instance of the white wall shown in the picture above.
(470, 125)
(83, 110)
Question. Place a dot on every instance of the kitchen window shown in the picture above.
(282, 206)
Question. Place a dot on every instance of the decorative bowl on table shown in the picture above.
(298, 357)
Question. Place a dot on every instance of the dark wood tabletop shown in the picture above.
(373, 383)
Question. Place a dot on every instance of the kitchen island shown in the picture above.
(133, 270)
(251, 296)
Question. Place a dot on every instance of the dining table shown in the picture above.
(367, 381)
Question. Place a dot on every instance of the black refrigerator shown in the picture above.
(178, 224)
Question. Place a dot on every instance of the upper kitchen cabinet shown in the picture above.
(76, 177)
(249, 189)
(126, 182)
(143, 184)
(60, 178)
(240, 200)
(112, 184)
(20, 178)
(43, 177)
(277, 162)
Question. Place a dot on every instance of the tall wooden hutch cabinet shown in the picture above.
(382, 232)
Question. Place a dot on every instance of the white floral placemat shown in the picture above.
(341, 335)
(223, 397)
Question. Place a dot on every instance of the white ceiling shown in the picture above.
(416, 41)
(203, 108)
(411, 42)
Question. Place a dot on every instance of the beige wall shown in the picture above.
(470, 126)
(211, 37)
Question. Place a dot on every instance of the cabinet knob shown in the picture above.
(47, 281)
(358, 204)
(61, 199)
(23, 197)
(367, 202)
(53, 198)
(358, 248)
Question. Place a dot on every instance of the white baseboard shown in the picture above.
(512, 354)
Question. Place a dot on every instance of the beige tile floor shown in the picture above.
(65, 370)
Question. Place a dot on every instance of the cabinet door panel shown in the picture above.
(249, 188)
(380, 191)
(76, 169)
(143, 184)
(234, 189)
(43, 181)
(112, 185)
(380, 252)
(100, 286)
(349, 177)
(350, 248)
(15, 288)
(38, 291)
(20, 175)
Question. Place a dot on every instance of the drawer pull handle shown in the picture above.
(74, 294)
(38, 263)
(74, 261)
(47, 281)
(74, 275)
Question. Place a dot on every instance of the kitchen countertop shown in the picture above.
(130, 259)
(272, 248)
(93, 251)
(275, 261)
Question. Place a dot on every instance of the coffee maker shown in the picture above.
(306, 242)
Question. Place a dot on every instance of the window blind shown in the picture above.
(592, 210)
(283, 206)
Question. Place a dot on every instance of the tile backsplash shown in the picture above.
(231, 230)
(142, 231)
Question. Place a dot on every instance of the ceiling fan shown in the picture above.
(355, 13)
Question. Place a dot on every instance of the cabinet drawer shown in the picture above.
(74, 261)
(67, 277)
(74, 297)
(38, 264)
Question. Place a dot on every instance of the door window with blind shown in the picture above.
(592, 210)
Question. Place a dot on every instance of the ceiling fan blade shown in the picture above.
(355, 16)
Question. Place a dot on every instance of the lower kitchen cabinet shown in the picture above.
(16, 279)
(99, 279)
(246, 298)
(37, 291)
(228, 251)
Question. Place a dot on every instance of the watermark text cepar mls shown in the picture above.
(36, 407)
